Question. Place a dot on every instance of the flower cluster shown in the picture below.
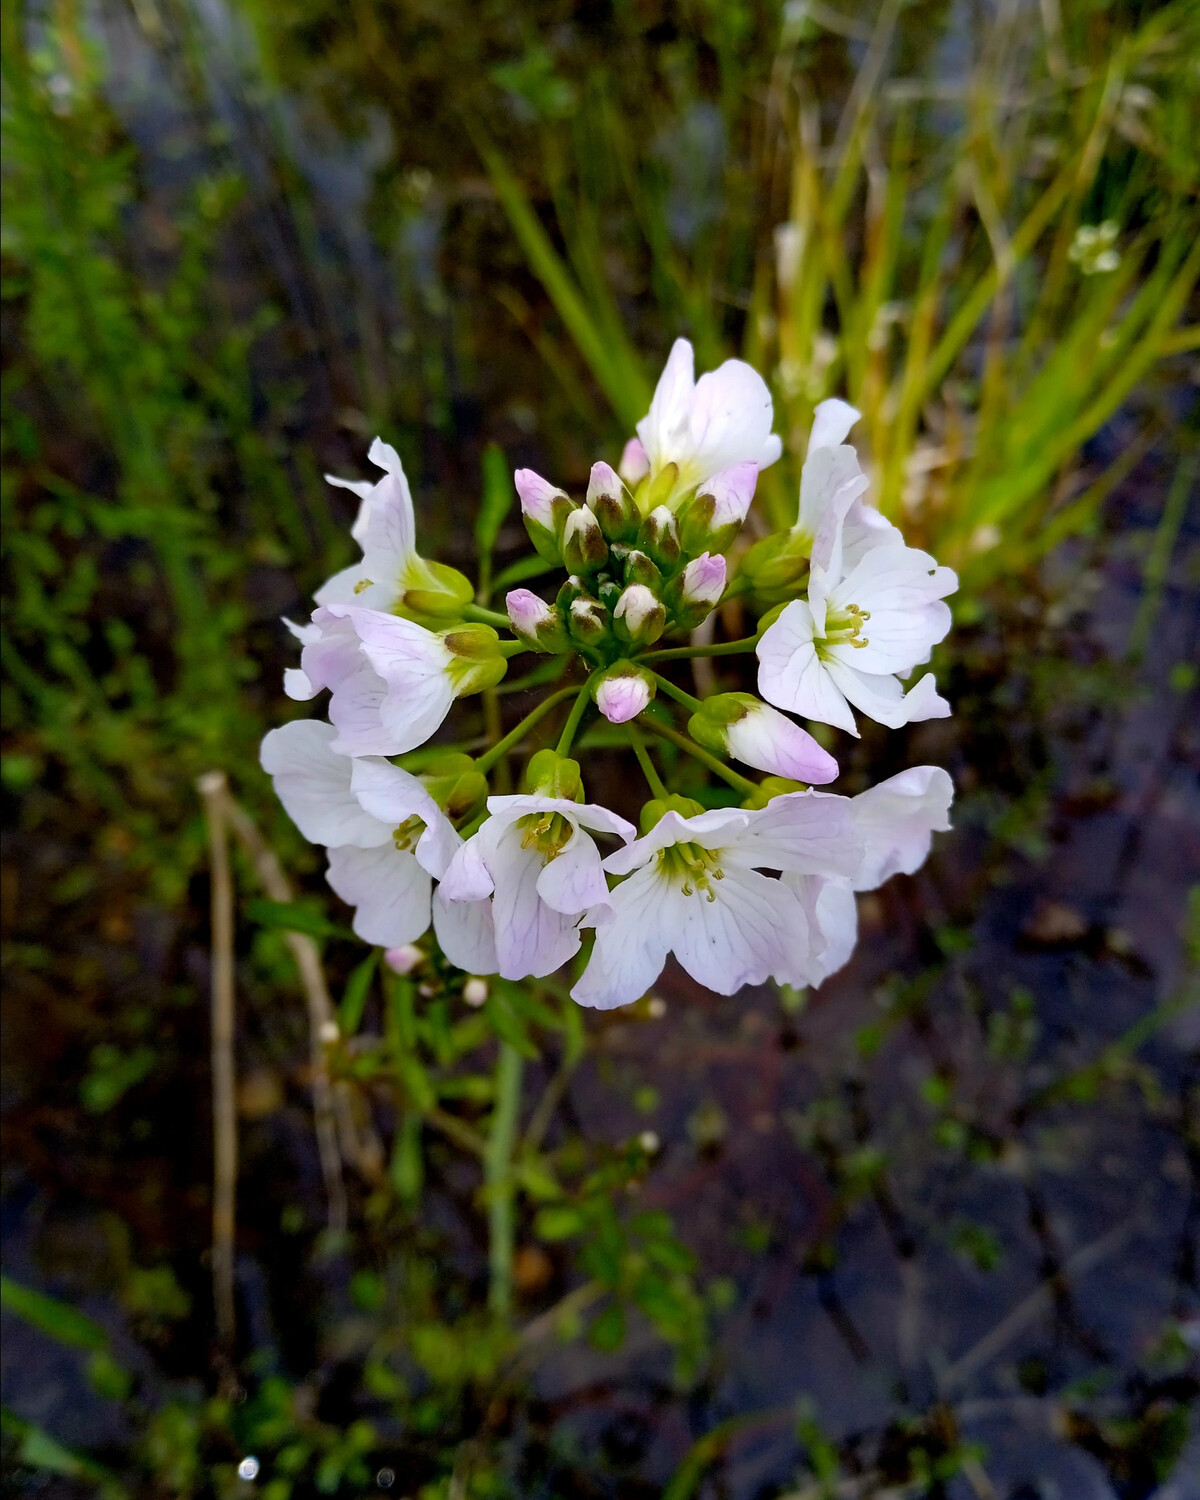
(511, 883)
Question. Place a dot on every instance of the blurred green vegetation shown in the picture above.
(235, 245)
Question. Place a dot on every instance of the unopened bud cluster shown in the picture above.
(636, 568)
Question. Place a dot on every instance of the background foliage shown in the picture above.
(239, 241)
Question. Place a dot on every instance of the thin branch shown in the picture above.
(321, 1020)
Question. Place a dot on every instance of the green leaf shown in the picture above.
(66, 1324)
(558, 1222)
(518, 572)
(290, 916)
(608, 1330)
(358, 987)
(497, 498)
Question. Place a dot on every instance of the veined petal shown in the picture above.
(354, 709)
(897, 819)
(573, 881)
(630, 950)
(730, 420)
(734, 933)
(711, 830)
(297, 686)
(792, 676)
(467, 877)
(587, 814)
(663, 428)
(392, 795)
(771, 742)
(314, 785)
(532, 939)
(832, 929)
(882, 698)
(389, 890)
(465, 932)
(805, 832)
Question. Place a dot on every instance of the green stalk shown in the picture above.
(498, 1176)
(734, 778)
(653, 779)
(693, 705)
(684, 653)
(487, 617)
(489, 758)
(575, 717)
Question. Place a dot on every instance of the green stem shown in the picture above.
(735, 780)
(509, 649)
(575, 717)
(486, 616)
(498, 1176)
(677, 693)
(683, 653)
(643, 758)
(489, 758)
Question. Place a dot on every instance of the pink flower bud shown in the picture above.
(537, 497)
(635, 464)
(603, 481)
(475, 991)
(403, 960)
(770, 741)
(704, 579)
(732, 491)
(526, 611)
(622, 696)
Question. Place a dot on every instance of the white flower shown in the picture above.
(707, 425)
(386, 531)
(695, 889)
(385, 834)
(843, 646)
(834, 521)
(534, 856)
(896, 820)
(393, 681)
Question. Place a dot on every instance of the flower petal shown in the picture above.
(792, 676)
(392, 795)
(807, 832)
(313, 783)
(532, 940)
(897, 819)
(465, 932)
(630, 950)
(733, 934)
(389, 890)
(574, 881)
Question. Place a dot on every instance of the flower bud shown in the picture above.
(475, 991)
(693, 594)
(623, 692)
(635, 464)
(544, 509)
(640, 569)
(584, 549)
(455, 785)
(435, 591)
(535, 621)
(475, 659)
(654, 811)
(739, 725)
(658, 537)
(612, 504)
(714, 515)
(639, 615)
(587, 622)
(404, 959)
(776, 562)
(550, 774)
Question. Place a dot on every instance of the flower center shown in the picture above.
(406, 835)
(842, 627)
(548, 833)
(691, 868)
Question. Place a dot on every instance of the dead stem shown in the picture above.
(321, 1020)
(212, 789)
